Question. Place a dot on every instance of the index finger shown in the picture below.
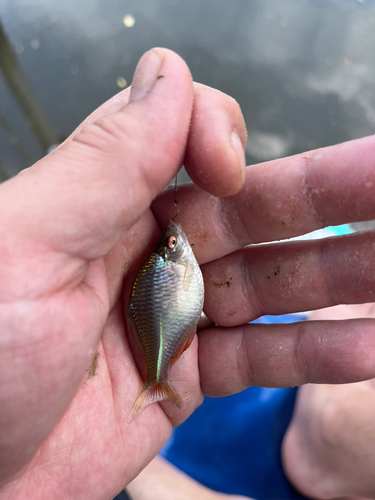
(217, 138)
(280, 199)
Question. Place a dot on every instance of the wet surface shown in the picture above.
(303, 71)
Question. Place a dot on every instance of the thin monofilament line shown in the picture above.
(175, 198)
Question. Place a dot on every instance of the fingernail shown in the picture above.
(238, 147)
(145, 75)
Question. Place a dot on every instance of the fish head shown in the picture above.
(174, 245)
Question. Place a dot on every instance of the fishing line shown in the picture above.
(175, 198)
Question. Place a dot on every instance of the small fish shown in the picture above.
(165, 304)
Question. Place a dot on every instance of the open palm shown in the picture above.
(75, 229)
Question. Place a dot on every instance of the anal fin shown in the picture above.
(184, 346)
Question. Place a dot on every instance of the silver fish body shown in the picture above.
(165, 305)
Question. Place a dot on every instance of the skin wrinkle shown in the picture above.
(271, 213)
(348, 190)
(99, 134)
(331, 274)
(358, 260)
(225, 207)
(291, 277)
(361, 345)
(293, 364)
(243, 220)
(249, 377)
(327, 269)
(281, 280)
(348, 354)
(28, 473)
(243, 217)
(241, 363)
(308, 191)
(83, 424)
(24, 476)
(252, 293)
(304, 339)
(298, 359)
(116, 128)
(111, 383)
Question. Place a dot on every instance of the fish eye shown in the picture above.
(172, 242)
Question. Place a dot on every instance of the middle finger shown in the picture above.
(290, 277)
(280, 199)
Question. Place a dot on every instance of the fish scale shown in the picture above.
(165, 305)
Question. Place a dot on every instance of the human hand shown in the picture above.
(75, 228)
(283, 199)
(328, 449)
(161, 480)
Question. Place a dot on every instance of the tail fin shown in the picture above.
(153, 392)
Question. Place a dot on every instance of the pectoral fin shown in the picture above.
(187, 277)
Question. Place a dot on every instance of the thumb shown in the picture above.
(82, 197)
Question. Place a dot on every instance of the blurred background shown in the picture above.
(303, 71)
